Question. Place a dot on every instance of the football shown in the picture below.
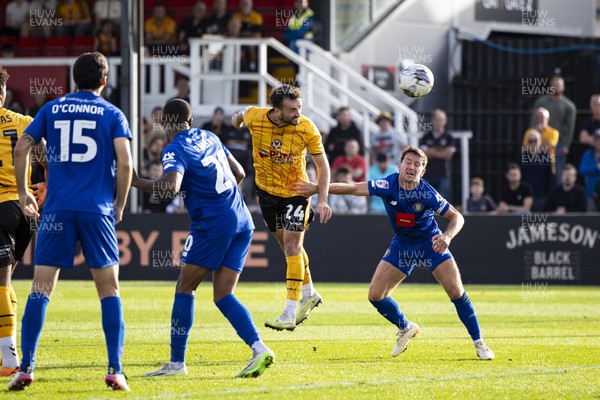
(416, 80)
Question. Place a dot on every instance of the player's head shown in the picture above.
(412, 164)
(287, 103)
(90, 71)
(3, 80)
(176, 116)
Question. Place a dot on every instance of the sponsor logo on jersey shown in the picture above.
(169, 156)
(277, 157)
(382, 183)
(393, 202)
(405, 220)
(418, 207)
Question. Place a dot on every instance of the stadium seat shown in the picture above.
(81, 44)
(29, 47)
(57, 46)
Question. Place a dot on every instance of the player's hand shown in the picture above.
(118, 211)
(304, 188)
(39, 192)
(324, 211)
(29, 205)
(440, 243)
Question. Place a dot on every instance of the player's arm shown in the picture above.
(441, 241)
(21, 160)
(305, 188)
(323, 177)
(237, 169)
(169, 184)
(39, 189)
(237, 119)
(124, 171)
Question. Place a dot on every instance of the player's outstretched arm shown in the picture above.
(169, 184)
(124, 172)
(237, 169)
(21, 160)
(305, 188)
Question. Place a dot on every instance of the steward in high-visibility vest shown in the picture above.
(299, 25)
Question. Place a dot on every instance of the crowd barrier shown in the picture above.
(490, 249)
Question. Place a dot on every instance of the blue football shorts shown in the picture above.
(407, 256)
(230, 251)
(59, 231)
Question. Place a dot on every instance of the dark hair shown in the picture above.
(283, 92)
(417, 152)
(342, 170)
(569, 166)
(512, 165)
(381, 157)
(176, 111)
(342, 109)
(3, 79)
(89, 70)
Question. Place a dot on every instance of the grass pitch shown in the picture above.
(546, 340)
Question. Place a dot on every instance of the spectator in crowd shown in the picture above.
(352, 161)
(562, 117)
(299, 25)
(193, 27)
(478, 200)
(183, 89)
(76, 18)
(536, 168)
(590, 169)
(340, 204)
(153, 152)
(160, 30)
(39, 99)
(586, 134)
(17, 16)
(252, 25)
(338, 136)
(382, 168)
(568, 196)
(387, 140)
(44, 18)
(550, 136)
(437, 145)
(234, 29)
(107, 9)
(153, 202)
(217, 123)
(217, 22)
(105, 41)
(517, 197)
(11, 102)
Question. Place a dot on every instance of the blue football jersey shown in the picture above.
(209, 189)
(410, 212)
(79, 129)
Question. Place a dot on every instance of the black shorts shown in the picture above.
(15, 233)
(289, 213)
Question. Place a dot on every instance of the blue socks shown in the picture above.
(391, 311)
(114, 331)
(31, 328)
(182, 319)
(467, 315)
(239, 317)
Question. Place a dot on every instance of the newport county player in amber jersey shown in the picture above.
(16, 229)
(411, 203)
(281, 137)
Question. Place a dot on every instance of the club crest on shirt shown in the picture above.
(382, 183)
(418, 207)
(276, 144)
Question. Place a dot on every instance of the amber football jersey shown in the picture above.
(279, 152)
(12, 126)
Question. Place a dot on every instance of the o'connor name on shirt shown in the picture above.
(77, 108)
